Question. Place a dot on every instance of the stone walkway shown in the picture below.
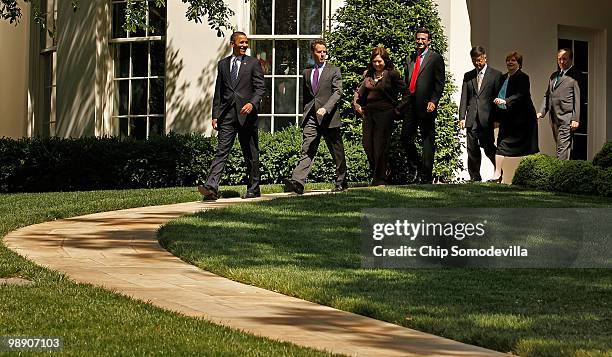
(119, 251)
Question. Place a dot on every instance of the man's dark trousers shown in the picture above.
(312, 133)
(479, 137)
(249, 143)
(426, 123)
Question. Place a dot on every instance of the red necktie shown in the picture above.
(415, 74)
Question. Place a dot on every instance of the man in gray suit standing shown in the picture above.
(321, 93)
(480, 86)
(562, 100)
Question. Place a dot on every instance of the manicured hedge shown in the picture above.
(551, 174)
(55, 164)
(604, 156)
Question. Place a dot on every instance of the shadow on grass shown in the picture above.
(309, 247)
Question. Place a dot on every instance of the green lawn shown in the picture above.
(91, 320)
(309, 247)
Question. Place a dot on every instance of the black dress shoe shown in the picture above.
(339, 188)
(496, 180)
(293, 186)
(251, 195)
(208, 193)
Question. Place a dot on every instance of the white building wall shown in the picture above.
(14, 74)
(192, 53)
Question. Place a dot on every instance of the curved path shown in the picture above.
(119, 251)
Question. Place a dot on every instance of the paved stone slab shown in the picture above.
(15, 281)
(119, 251)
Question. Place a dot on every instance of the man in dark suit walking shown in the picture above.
(562, 101)
(425, 78)
(480, 86)
(238, 92)
(322, 90)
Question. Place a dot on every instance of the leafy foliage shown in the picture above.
(604, 156)
(216, 12)
(551, 174)
(364, 24)
(89, 163)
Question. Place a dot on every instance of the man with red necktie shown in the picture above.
(425, 77)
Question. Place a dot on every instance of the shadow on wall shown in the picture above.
(76, 53)
(189, 103)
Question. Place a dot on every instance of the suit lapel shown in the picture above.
(324, 74)
(485, 80)
(475, 82)
(426, 61)
(308, 81)
(243, 63)
(226, 69)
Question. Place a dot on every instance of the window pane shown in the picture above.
(579, 147)
(286, 57)
(266, 103)
(306, 60)
(122, 60)
(284, 92)
(119, 20)
(123, 127)
(123, 95)
(156, 99)
(581, 55)
(584, 119)
(281, 123)
(157, 20)
(311, 17)
(139, 59)
(139, 97)
(286, 17)
(564, 43)
(138, 128)
(262, 50)
(261, 17)
(301, 97)
(156, 126)
(158, 58)
(265, 123)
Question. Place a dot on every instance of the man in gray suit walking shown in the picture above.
(322, 91)
(562, 100)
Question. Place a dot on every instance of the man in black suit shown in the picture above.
(480, 87)
(562, 101)
(322, 90)
(238, 92)
(425, 78)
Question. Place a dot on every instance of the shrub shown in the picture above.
(56, 164)
(604, 156)
(365, 24)
(575, 176)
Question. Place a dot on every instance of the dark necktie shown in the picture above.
(315, 79)
(558, 80)
(234, 72)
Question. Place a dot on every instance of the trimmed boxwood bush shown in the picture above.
(604, 156)
(56, 164)
(574, 176)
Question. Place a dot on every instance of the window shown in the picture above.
(48, 49)
(281, 34)
(139, 74)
